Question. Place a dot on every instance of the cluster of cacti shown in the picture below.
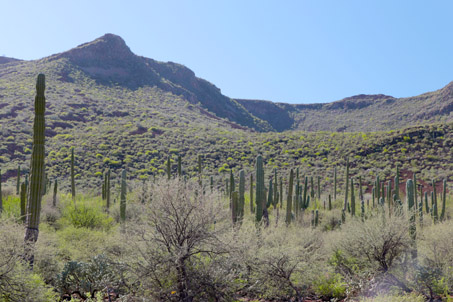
(36, 169)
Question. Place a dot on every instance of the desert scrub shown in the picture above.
(180, 238)
(372, 250)
(17, 281)
(283, 260)
(435, 274)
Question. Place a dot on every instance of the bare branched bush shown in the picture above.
(178, 243)
(372, 251)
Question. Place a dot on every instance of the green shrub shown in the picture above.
(330, 286)
(83, 215)
(81, 243)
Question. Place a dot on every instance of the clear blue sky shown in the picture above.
(284, 51)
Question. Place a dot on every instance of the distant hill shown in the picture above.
(4, 60)
(119, 109)
(357, 113)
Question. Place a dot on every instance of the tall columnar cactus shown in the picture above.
(319, 187)
(397, 183)
(389, 196)
(252, 208)
(289, 197)
(123, 196)
(36, 170)
(55, 191)
(411, 212)
(179, 166)
(345, 206)
(306, 197)
(360, 188)
(232, 184)
(275, 197)
(200, 170)
(235, 207)
(270, 196)
(414, 177)
(420, 211)
(335, 183)
(435, 211)
(378, 188)
(330, 202)
(444, 200)
(373, 195)
(18, 181)
(103, 185)
(362, 209)
(211, 183)
(260, 191)
(168, 168)
(23, 202)
(312, 188)
(352, 198)
(73, 192)
(107, 191)
(426, 203)
(281, 192)
(241, 197)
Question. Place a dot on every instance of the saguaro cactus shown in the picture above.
(444, 200)
(107, 190)
(335, 184)
(179, 166)
(345, 206)
(55, 190)
(200, 170)
(289, 197)
(411, 212)
(36, 171)
(352, 198)
(123, 196)
(252, 208)
(435, 211)
(73, 192)
(18, 181)
(260, 191)
(23, 202)
(241, 198)
(232, 184)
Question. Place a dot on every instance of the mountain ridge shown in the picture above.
(110, 62)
